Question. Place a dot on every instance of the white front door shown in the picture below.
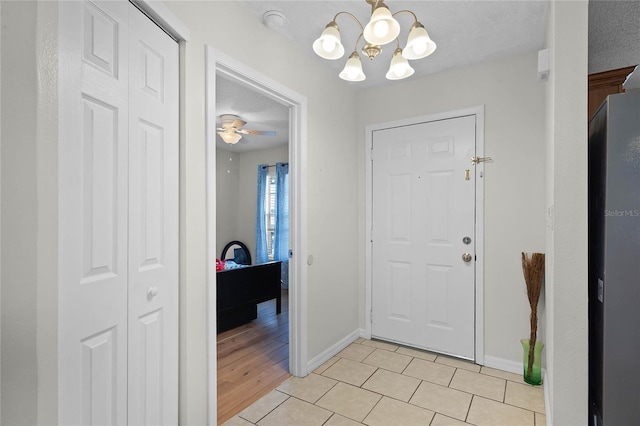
(423, 291)
(118, 217)
(153, 223)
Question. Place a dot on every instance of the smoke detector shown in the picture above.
(274, 19)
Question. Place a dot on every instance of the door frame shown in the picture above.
(478, 112)
(220, 63)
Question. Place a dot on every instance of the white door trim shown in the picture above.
(164, 18)
(217, 62)
(479, 225)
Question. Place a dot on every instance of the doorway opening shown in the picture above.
(219, 65)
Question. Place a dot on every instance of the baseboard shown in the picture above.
(503, 364)
(510, 366)
(333, 350)
(547, 401)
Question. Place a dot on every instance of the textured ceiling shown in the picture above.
(466, 32)
(614, 34)
(259, 111)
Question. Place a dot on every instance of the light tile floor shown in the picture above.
(380, 384)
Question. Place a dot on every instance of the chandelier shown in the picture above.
(381, 29)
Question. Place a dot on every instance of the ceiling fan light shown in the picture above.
(399, 67)
(353, 69)
(382, 27)
(328, 45)
(230, 137)
(419, 44)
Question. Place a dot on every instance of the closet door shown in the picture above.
(93, 210)
(153, 223)
(118, 217)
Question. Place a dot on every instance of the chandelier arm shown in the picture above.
(352, 16)
(355, 47)
(415, 18)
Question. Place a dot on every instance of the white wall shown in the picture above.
(566, 240)
(19, 202)
(514, 181)
(332, 179)
(236, 194)
(0, 216)
(227, 193)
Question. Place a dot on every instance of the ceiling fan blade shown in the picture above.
(258, 132)
(237, 123)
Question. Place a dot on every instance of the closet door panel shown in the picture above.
(153, 224)
(93, 198)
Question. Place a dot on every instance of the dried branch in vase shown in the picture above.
(533, 270)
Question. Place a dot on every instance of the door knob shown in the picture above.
(467, 257)
(152, 292)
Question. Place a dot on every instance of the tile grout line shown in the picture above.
(469, 409)
(374, 406)
(451, 379)
(381, 396)
(502, 401)
(270, 411)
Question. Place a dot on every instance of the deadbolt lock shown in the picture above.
(467, 257)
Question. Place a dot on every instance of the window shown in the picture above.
(272, 216)
(270, 211)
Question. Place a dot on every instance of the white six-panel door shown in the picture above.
(153, 223)
(423, 292)
(118, 207)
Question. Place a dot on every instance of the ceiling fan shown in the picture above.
(231, 131)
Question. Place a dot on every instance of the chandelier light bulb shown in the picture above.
(328, 45)
(353, 69)
(420, 48)
(382, 28)
(399, 67)
(419, 44)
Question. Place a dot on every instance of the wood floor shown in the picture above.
(253, 359)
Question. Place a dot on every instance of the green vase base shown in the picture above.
(535, 378)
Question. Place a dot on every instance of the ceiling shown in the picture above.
(259, 111)
(466, 32)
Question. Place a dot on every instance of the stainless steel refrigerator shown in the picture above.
(614, 261)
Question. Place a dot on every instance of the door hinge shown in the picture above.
(371, 154)
(371, 235)
(290, 254)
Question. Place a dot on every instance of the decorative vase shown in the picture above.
(533, 376)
